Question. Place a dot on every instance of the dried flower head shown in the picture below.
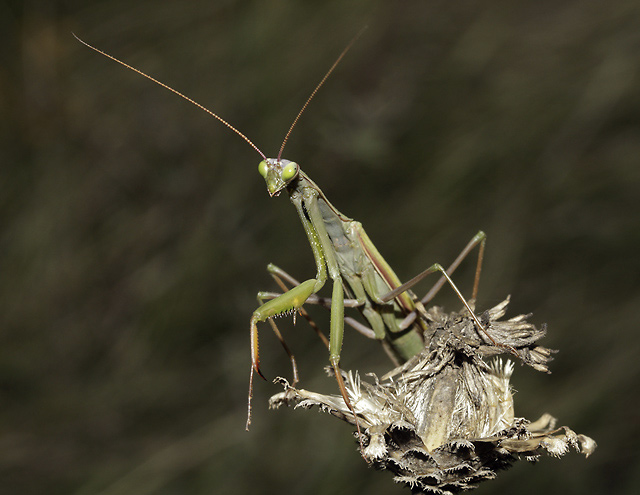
(445, 420)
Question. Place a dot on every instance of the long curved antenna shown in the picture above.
(176, 92)
(313, 93)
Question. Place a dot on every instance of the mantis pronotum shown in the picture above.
(343, 253)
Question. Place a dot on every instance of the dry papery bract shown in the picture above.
(444, 420)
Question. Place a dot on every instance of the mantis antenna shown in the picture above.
(215, 115)
(176, 92)
(313, 93)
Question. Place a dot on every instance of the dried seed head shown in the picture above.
(445, 419)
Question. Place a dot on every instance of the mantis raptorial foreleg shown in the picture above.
(280, 338)
(279, 275)
(325, 302)
(285, 303)
(306, 202)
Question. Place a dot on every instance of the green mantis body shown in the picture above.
(344, 254)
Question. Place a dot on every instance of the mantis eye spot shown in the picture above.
(263, 168)
(289, 171)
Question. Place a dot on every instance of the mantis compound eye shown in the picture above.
(263, 168)
(289, 171)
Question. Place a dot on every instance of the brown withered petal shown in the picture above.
(445, 420)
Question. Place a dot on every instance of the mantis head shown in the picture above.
(277, 173)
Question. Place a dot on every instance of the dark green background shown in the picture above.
(135, 229)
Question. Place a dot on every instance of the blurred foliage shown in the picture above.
(136, 230)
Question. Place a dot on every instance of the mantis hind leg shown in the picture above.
(478, 240)
(438, 268)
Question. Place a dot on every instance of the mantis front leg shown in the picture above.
(306, 203)
(285, 303)
(280, 276)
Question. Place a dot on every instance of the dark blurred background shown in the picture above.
(136, 229)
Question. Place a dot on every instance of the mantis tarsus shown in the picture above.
(343, 253)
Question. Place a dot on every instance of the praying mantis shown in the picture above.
(343, 254)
